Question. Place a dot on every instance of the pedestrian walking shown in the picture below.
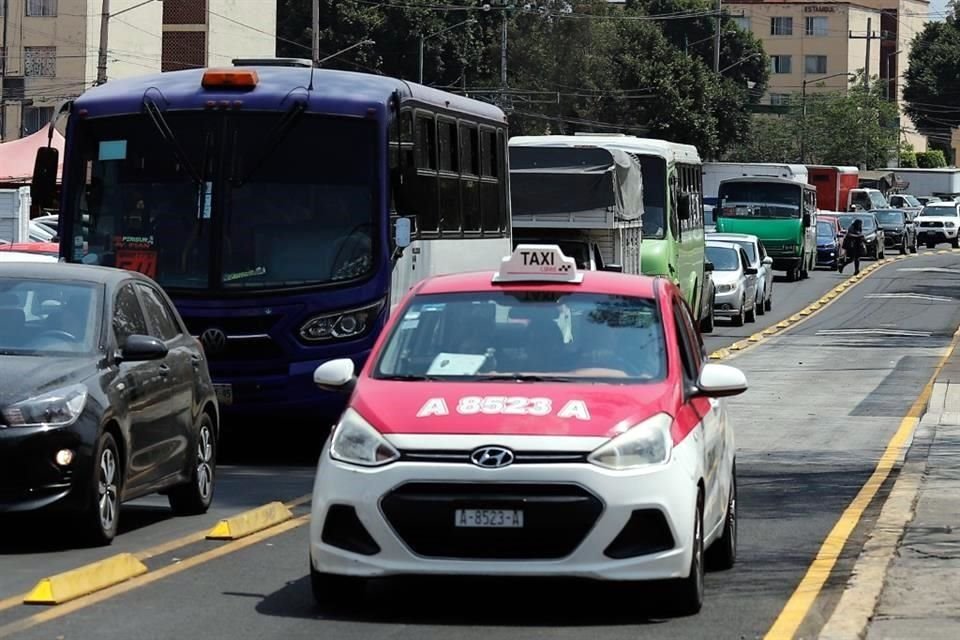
(854, 245)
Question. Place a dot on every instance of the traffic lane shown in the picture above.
(33, 548)
(809, 433)
(788, 299)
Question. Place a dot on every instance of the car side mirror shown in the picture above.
(721, 381)
(336, 375)
(43, 186)
(751, 271)
(616, 268)
(768, 261)
(807, 220)
(139, 348)
(708, 267)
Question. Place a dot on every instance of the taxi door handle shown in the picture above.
(195, 360)
(164, 371)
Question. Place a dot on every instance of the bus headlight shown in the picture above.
(341, 325)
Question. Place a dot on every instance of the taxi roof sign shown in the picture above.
(538, 263)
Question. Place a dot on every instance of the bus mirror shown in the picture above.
(43, 187)
(685, 204)
(401, 233)
(806, 220)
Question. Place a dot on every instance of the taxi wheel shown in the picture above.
(331, 591)
(737, 320)
(688, 592)
(194, 497)
(722, 554)
(102, 514)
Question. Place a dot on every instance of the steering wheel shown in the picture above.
(56, 333)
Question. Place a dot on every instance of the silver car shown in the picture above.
(759, 260)
(735, 281)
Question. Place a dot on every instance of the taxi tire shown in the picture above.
(722, 554)
(333, 591)
(737, 320)
(187, 499)
(92, 529)
(688, 592)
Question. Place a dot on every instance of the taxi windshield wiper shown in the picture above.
(522, 377)
(407, 376)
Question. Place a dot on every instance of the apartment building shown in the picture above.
(807, 41)
(49, 53)
(209, 33)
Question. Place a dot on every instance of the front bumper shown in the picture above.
(891, 240)
(579, 520)
(728, 303)
(827, 255)
(31, 480)
(936, 234)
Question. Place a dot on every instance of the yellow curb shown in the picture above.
(816, 305)
(85, 580)
(738, 345)
(252, 521)
(757, 337)
(831, 295)
(806, 312)
(783, 324)
(769, 331)
(795, 317)
(719, 354)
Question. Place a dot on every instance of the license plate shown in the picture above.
(489, 518)
(224, 393)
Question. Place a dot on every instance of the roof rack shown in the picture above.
(272, 62)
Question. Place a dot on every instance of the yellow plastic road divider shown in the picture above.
(85, 580)
(795, 318)
(719, 354)
(755, 337)
(783, 324)
(248, 522)
(769, 331)
(805, 312)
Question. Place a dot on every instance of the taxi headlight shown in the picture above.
(341, 325)
(645, 444)
(59, 408)
(355, 441)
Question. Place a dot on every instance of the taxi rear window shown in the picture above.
(533, 335)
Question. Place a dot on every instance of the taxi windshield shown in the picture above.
(526, 336)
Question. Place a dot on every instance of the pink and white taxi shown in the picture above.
(536, 421)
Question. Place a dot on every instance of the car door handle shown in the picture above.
(196, 360)
(164, 371)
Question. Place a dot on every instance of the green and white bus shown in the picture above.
(672, 240)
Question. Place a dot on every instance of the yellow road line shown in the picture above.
(82, 603)
(806, 593)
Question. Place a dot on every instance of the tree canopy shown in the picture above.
(931, 87)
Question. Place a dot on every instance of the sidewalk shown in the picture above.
(921, 593)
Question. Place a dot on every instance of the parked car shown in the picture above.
(51, 222)
(898, 230)
(872, 233)
(759, 260)
(830, 251)
(708, 299)
(50, 249)
(904, 202)
(104, 397)
(939, 222)
(925, 200)
(735, 280)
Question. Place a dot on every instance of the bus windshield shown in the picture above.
(758, 200)
(226, 207)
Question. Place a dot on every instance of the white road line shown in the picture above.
(908, 296)
(874, 332)
(931, 270)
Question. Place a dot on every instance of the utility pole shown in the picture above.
(503, 51)
(3, 70)
(315, 22)
(716, 38)
(869, 37)
(104, 36)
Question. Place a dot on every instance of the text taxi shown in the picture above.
(536, 421)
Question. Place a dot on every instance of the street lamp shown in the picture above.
(424, 38)
(105, 16)
(803, 109)
(889, 79)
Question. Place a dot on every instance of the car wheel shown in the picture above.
(194, 497)
(955, 243)
(331, 591)
(737, 320)
(103, 513)
(706, 324)
(750, 315)
(688, 592)
(931, 245)
(722, 554)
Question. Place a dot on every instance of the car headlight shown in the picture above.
(726, 288)
(341, 325)
(949, 225)
(647, 443)
(59, 408)
(355, 441)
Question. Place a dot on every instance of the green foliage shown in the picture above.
(932, 82)
(933, 159)
(908, 159)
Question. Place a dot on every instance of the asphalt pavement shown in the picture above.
(824, 399)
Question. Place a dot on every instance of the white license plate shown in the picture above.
(224, 393)
(492, 518)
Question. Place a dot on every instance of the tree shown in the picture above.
(932, 82)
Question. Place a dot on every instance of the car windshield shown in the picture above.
(911, 201)
(238, 206)
(759, 200)
(723, 258)
(866, 221)
(890, 217)
(826, 230)
(48, 317)
(941, 210)
(526, 335)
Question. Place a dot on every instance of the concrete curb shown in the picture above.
(85, 580)
(852, 616)
(249, 522)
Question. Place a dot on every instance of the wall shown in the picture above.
(228, 40)
(133, 45)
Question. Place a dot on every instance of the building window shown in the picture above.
(185, 12)
(183, 50)
(780, 64)
(815, 64)
(781, 26)
(42, 8)
(816, 26)
(779, 99)
(40, 62)
(743, 22)
(36, 118)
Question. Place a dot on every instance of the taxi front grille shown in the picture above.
(463, 457)
(556, 519)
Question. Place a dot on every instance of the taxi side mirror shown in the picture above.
(336, 375)
(720, 381)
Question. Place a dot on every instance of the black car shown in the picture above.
(872, 233)
(104, 397)
(899, 231)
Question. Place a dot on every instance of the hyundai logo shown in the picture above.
(213, 340)
(492, 457)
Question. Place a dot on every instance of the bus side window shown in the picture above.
(470, 176)
(428, 198)
(674, 220)
(449, 179)
(490, 200)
